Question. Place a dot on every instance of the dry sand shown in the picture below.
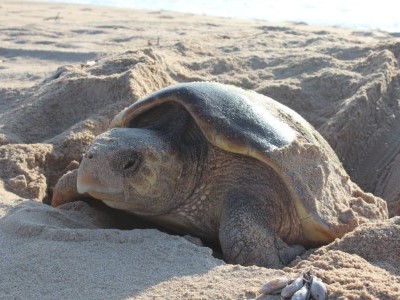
(66, 70)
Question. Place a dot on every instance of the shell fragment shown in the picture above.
(275, 285)
(292, 288)
(301, 294)
(304, 287)
(318, 289)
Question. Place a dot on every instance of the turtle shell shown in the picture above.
(328, 204)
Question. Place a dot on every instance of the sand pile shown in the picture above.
(56, 120)
(67, 70)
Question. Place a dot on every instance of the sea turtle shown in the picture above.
(229, 166)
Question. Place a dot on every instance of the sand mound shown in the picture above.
(364, 263)
(345, 83)
(67, 250)
(60, 117)
(329, 84)
(351, 277)
(77, 102)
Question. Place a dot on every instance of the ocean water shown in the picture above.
(360, 14)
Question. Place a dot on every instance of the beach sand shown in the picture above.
(66, 70)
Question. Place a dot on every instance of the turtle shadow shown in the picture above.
(122, 220)
(86, 251)
(118, 219)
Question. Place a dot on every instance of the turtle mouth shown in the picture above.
(101, 193)
(88, 185)
(109, 196)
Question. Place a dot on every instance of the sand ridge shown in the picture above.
(66, 70)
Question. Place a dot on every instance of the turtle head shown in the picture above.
(133, 169)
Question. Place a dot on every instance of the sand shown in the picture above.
(66, 70)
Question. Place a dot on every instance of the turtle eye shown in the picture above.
(129, 164)
(126, 161)
(88, 155)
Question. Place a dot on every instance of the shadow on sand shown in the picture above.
(78, 259)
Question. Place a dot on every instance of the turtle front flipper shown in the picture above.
(246, 239)
(65, 189)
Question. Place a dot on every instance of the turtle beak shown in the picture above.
(86, 182)
(91, 178)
